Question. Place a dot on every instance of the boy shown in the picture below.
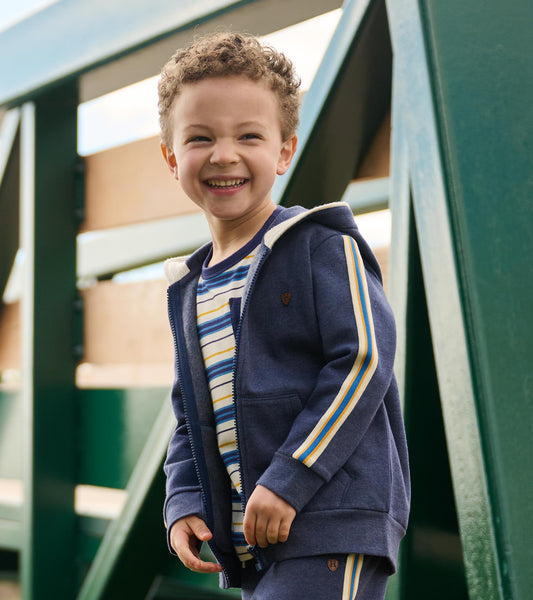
(289, 454)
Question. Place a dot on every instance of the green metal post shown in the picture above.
(482, 76)
(466, 97)
(48, 235)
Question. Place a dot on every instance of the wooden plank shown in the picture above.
(126, 323)
(382, 254)
(126, 333)
(10, 349)
(131, 184)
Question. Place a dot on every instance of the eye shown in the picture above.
(251, 136)
(197, 138)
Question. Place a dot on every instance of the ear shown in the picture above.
(286, 153)
(170, 159)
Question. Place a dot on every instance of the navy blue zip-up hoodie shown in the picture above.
(317, 410)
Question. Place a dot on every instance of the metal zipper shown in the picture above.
(211, 542)
(253, 550)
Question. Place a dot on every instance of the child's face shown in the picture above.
(227, 146)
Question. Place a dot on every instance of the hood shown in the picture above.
(336, 215)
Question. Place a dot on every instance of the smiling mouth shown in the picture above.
(225, 183)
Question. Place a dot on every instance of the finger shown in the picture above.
(261, 531)
(194, 563)
(200, 529)
(249, 527)
(272, 532)
(284, 530)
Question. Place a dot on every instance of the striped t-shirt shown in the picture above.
(218, 301)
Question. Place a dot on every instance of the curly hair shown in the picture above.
(223, 54)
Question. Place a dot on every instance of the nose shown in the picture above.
(224, 153)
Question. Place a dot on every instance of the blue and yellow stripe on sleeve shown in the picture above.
(362, 370)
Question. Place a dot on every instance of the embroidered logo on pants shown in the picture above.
(333, 564)
(286, 298)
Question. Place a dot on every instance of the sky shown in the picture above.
(12, 11)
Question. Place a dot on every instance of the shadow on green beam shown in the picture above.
(432, 549)
(343, 109)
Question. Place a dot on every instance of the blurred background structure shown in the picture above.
(418, 113)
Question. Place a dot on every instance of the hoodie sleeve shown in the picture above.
(183, 492)
(358, 340)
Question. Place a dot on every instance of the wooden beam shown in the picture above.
(131, 184)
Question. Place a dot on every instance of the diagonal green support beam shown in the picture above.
(465, 90)
(343, 109)
(431, 550)
(444, 304)
(133, 549)
(9, 193)
(133, 553)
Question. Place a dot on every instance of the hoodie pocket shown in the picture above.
(369, 469)
(264, 424)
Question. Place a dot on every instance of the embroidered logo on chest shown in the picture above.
(286, 298)
(333, 564)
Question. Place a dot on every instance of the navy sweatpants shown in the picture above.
(332, 577)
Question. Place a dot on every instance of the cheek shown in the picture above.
(188, 166)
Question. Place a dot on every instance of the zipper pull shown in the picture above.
(256, 553)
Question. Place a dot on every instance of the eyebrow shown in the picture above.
(250, 124)
(196, 126)
(245, 124)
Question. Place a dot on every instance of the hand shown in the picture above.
(186, 536)
(267, 519)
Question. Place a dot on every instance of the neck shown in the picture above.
(230, 236)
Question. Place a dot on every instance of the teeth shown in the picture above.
(224, 182)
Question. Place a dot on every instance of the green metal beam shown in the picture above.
(117, 249)
(9, 194)
(343, 109)
(482, 76)
(48, 238)
(367, 195)
(465, 91)
(133, 549)
(10, 527)
(133, 554)
(456, 385)
(260, 17)
(114, 426)
(75, 35)
(399, 205)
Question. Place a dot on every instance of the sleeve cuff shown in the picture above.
(291, 480)
(181, 505)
